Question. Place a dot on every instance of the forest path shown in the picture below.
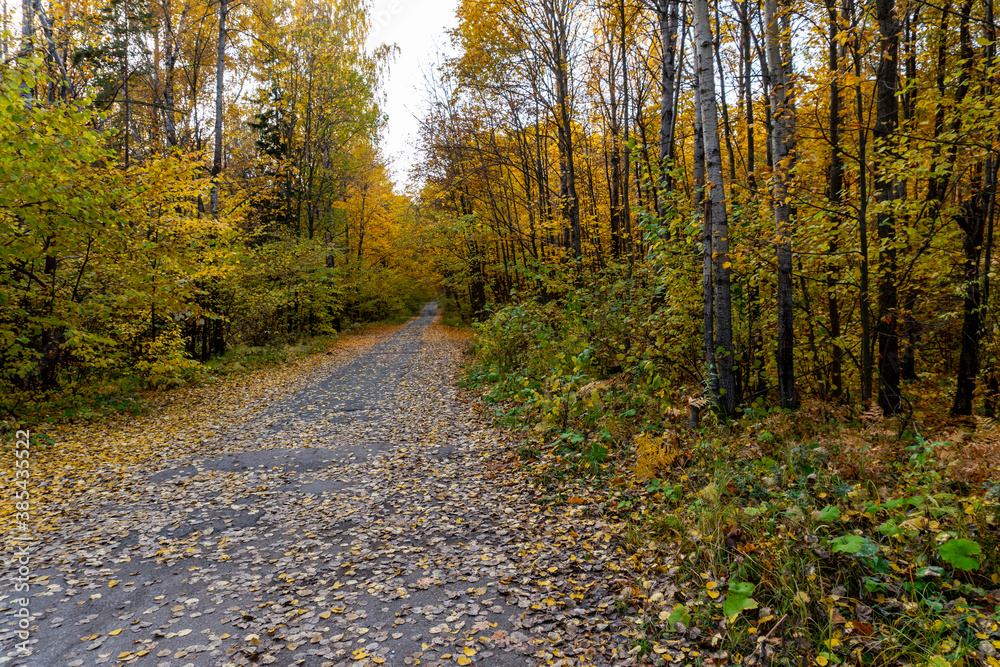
(364, 516)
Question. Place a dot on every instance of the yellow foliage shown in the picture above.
(654, 454)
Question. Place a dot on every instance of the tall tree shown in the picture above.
(835, 186)
(975, 216)
(707, 298)
(782, 147)
(220, 80)
(667, 11)
(725, 400)
(890, 189)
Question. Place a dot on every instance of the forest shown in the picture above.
(727, 263)
(801, 197)
(757, 205)
(186, 179)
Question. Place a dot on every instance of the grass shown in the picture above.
(839, 538)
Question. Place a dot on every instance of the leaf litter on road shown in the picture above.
(363, 513)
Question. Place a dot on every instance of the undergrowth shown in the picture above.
(100, 397)
(453, 312)
(129, 394)
(815, 537)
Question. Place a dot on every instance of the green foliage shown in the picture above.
(455, 312)
(959, 554)
(281, 291)
(771, 507)
(114, 279)
(850, 544)
(94, 261)
(550, 355)
(738, 599)
(888, 549)
(378, 294)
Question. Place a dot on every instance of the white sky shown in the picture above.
(418, 28)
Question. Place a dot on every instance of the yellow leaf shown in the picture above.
(112, 583)
(822, 661)
(124, 654)
(469, 651)
(464, 661)
(115, 633)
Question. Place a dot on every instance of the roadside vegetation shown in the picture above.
(825, 535)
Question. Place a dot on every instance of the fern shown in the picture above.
(654, 454)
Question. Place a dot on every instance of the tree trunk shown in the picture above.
(835, 186)
(220, 70)
(972, 223)
(890, 189)
(614, 163)
(557, 18)
(910, 326)
(626, 209)
(170, 55)
(864, 287)
(126, 75)
(976, 222)
(727, 128)
(725, 399)
(27, 26)
(782, 146)
(667, 10)
(746, 58)
(706, 247)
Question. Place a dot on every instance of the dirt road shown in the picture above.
(365, 516)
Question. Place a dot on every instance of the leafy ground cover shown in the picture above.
(71, 453)
(814, 537)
